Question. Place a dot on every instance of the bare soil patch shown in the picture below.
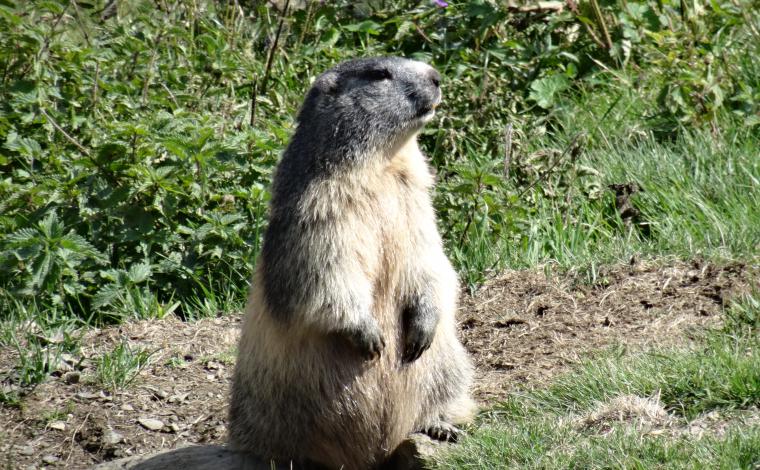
(525, 327)
(522, 328)
(179, 398)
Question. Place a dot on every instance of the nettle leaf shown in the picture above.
(544, 91)
(177, 147)
(26, 146)
(480, 9)
(40, 270)
(163, 172)
(78, 244)
(106, 295)
(52, 7)
(6, 13)
(404, 29)
(185, 230)
(109, 152)
(118, 276)
(367, 26)
(215, 252)
(50, 226)
(228, 219)
(491, 180)
(23, 237)
(139, 273)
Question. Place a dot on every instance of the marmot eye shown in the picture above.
(377, 74)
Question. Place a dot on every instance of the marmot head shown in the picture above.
(364, 106)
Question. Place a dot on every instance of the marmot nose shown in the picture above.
(434, 77)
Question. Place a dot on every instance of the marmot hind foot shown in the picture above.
(442, 431)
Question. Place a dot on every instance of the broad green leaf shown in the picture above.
(544, 91)
(367, 26)
(139, 273)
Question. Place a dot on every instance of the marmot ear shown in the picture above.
(327, 83)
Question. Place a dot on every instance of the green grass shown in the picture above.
(700, 197)
(36, 337)
(210, 302)
(545, 445)
(719, 374)
(118, 368)
(700, 184)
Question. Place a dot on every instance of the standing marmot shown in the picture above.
(349, 342)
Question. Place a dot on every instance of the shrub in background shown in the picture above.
(134, 185)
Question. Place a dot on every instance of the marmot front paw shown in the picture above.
(367, 339)
(418, 338)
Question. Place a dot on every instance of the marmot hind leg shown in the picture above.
(461, 410)
(457, 412)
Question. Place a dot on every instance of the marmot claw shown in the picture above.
(442, 431)
(418, 337)
(368, 340)
(416, 343)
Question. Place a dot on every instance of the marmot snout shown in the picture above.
(349, 342)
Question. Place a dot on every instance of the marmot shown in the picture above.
(349, 342)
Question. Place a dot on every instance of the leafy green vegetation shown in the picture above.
(136, 186)
(560, 426)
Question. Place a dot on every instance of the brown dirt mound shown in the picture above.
(524, 327)
(521, 328)
(76, 425)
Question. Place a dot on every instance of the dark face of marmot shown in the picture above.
(365, 106)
